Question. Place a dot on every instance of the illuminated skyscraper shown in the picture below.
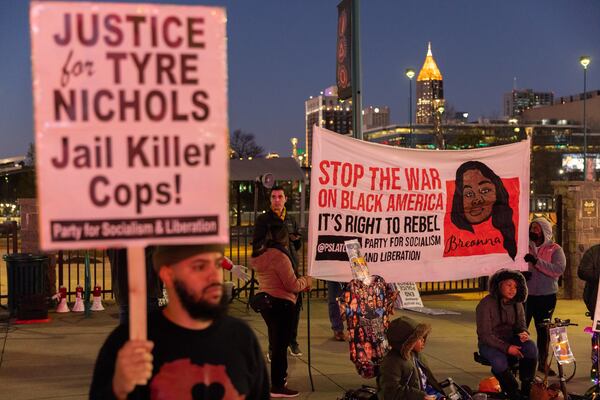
(376, 117)
(520, 100)
(430, 90)
(329, 112)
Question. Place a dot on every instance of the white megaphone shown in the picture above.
(79, 306)
(238, 271)
(97, 302)
(61, 296)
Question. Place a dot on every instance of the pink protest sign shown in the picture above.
(130, 123)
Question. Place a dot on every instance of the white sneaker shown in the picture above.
(295, 350)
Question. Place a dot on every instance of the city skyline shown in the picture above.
(282, 53)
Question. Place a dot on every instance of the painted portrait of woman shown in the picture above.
(480, 196)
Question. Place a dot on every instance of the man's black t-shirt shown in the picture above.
(221, 362)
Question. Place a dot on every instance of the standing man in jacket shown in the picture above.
(547, 262)
(277, 215)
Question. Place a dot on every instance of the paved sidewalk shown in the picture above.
(55, 360)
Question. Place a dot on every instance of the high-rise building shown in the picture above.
(430, 90)
(329, 112)
(569, 110)
(376, 117)
(519, 100)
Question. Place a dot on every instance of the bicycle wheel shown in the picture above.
(569, 370)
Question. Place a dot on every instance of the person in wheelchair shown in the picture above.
(502, 334)
(404, 374)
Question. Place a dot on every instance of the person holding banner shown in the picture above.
(273, 265)
(547, 262)
(480, 197)
(502, 333)
(334, 291)
(193, 348)
(278, 215)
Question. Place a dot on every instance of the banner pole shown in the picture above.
(312, 384)
(356, 76)
(136, 271)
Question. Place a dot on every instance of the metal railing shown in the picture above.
(70, 268)
(240, 251)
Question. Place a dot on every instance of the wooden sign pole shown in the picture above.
(136, 271)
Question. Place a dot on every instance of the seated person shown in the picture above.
(502, 334)
(404, 374)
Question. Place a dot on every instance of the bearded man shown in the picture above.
(194, 350)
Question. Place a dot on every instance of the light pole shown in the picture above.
(442, 141)
(410, 74)
(584, 61)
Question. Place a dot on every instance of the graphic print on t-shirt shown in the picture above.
(183, 380)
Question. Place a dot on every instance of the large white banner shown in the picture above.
(420, 215)
(130, 123)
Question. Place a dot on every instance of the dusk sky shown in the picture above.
(281, 52)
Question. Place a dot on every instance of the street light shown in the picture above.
(584, 61)
(410, 74)
(438, 110)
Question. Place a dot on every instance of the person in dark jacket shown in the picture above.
(589, 271)
(120, 281)
(404, 373)
(278, 215)
(502, 333)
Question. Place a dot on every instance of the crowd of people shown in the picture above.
(209, 353)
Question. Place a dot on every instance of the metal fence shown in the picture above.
(9, 244)
(70, 271)
(68, 268)
(240, 251)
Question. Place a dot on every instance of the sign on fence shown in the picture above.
(408, 295)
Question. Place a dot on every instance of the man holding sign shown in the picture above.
(193, 348)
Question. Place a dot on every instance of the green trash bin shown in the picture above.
(26, 285)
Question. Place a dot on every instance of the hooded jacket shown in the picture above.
(551, 263)
(498, 322)
(276, 276)
(399, 377)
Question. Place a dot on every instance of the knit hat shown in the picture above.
(403, 333)
(169, 255)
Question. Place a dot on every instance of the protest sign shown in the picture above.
(419, 215)
(130, 124)
(130, 108)
(408, 295)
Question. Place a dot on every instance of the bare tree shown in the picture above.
(243, 145)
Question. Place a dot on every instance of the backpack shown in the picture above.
(363, 393)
